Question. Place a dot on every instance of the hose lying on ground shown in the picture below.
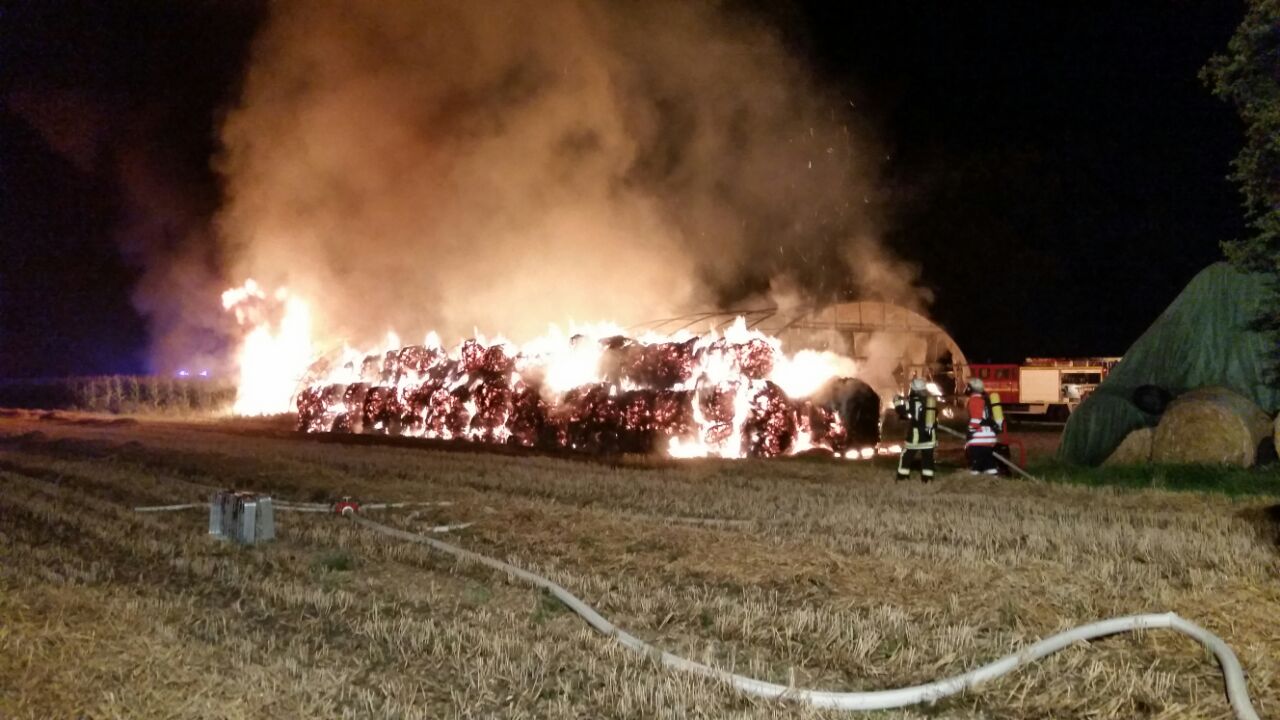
(366, 506)
(167, 508)
(292, 506)
(1237, 691)
(317, 507)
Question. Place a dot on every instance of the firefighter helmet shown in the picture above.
(975, 384)
(918, 385)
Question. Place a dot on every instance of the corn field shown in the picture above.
(120, 394)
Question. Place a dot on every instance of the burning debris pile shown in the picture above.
(691, 396)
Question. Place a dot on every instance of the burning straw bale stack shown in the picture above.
(647, 395)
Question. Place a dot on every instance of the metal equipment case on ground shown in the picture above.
(245, 517)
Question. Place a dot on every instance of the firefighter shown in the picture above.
(986, 421)
(920, 410)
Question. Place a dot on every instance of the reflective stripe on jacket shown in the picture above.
(922, 414)
(981, 431)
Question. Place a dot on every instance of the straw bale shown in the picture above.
(1211, 425)
(1135, 449)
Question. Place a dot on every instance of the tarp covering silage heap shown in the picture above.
(1202, 339)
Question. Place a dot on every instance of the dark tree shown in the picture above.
(1248, 76)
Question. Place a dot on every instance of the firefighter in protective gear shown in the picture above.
(986, 422)
(920, 410)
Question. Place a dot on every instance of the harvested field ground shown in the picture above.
(831, 575)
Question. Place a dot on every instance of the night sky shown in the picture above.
(1056, 169)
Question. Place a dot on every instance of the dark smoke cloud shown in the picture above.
(506, 164)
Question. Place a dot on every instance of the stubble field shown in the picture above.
(823, 574)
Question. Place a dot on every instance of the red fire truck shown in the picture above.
(1052, 387)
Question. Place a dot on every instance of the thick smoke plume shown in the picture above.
(505, 164)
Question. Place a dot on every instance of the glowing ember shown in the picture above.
(592, 388)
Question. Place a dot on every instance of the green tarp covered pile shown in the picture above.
(1202, 339)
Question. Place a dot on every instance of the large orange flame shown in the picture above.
(276, 348)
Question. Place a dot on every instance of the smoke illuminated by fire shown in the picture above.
(454, 165)
(449, 165)
(734, 394)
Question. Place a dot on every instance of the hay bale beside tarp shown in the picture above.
(1135, 449)
(1202, 339)
(1099, 425)
(1211, 425)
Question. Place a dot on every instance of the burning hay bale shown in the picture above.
(693, 396)
(660, 364)
(1211, 425)
(771, 424)
(318, 407)
(1135, 449)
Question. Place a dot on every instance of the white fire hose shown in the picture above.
(317, 508)
(293, 506)
(1237, 691)
(169, 508)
